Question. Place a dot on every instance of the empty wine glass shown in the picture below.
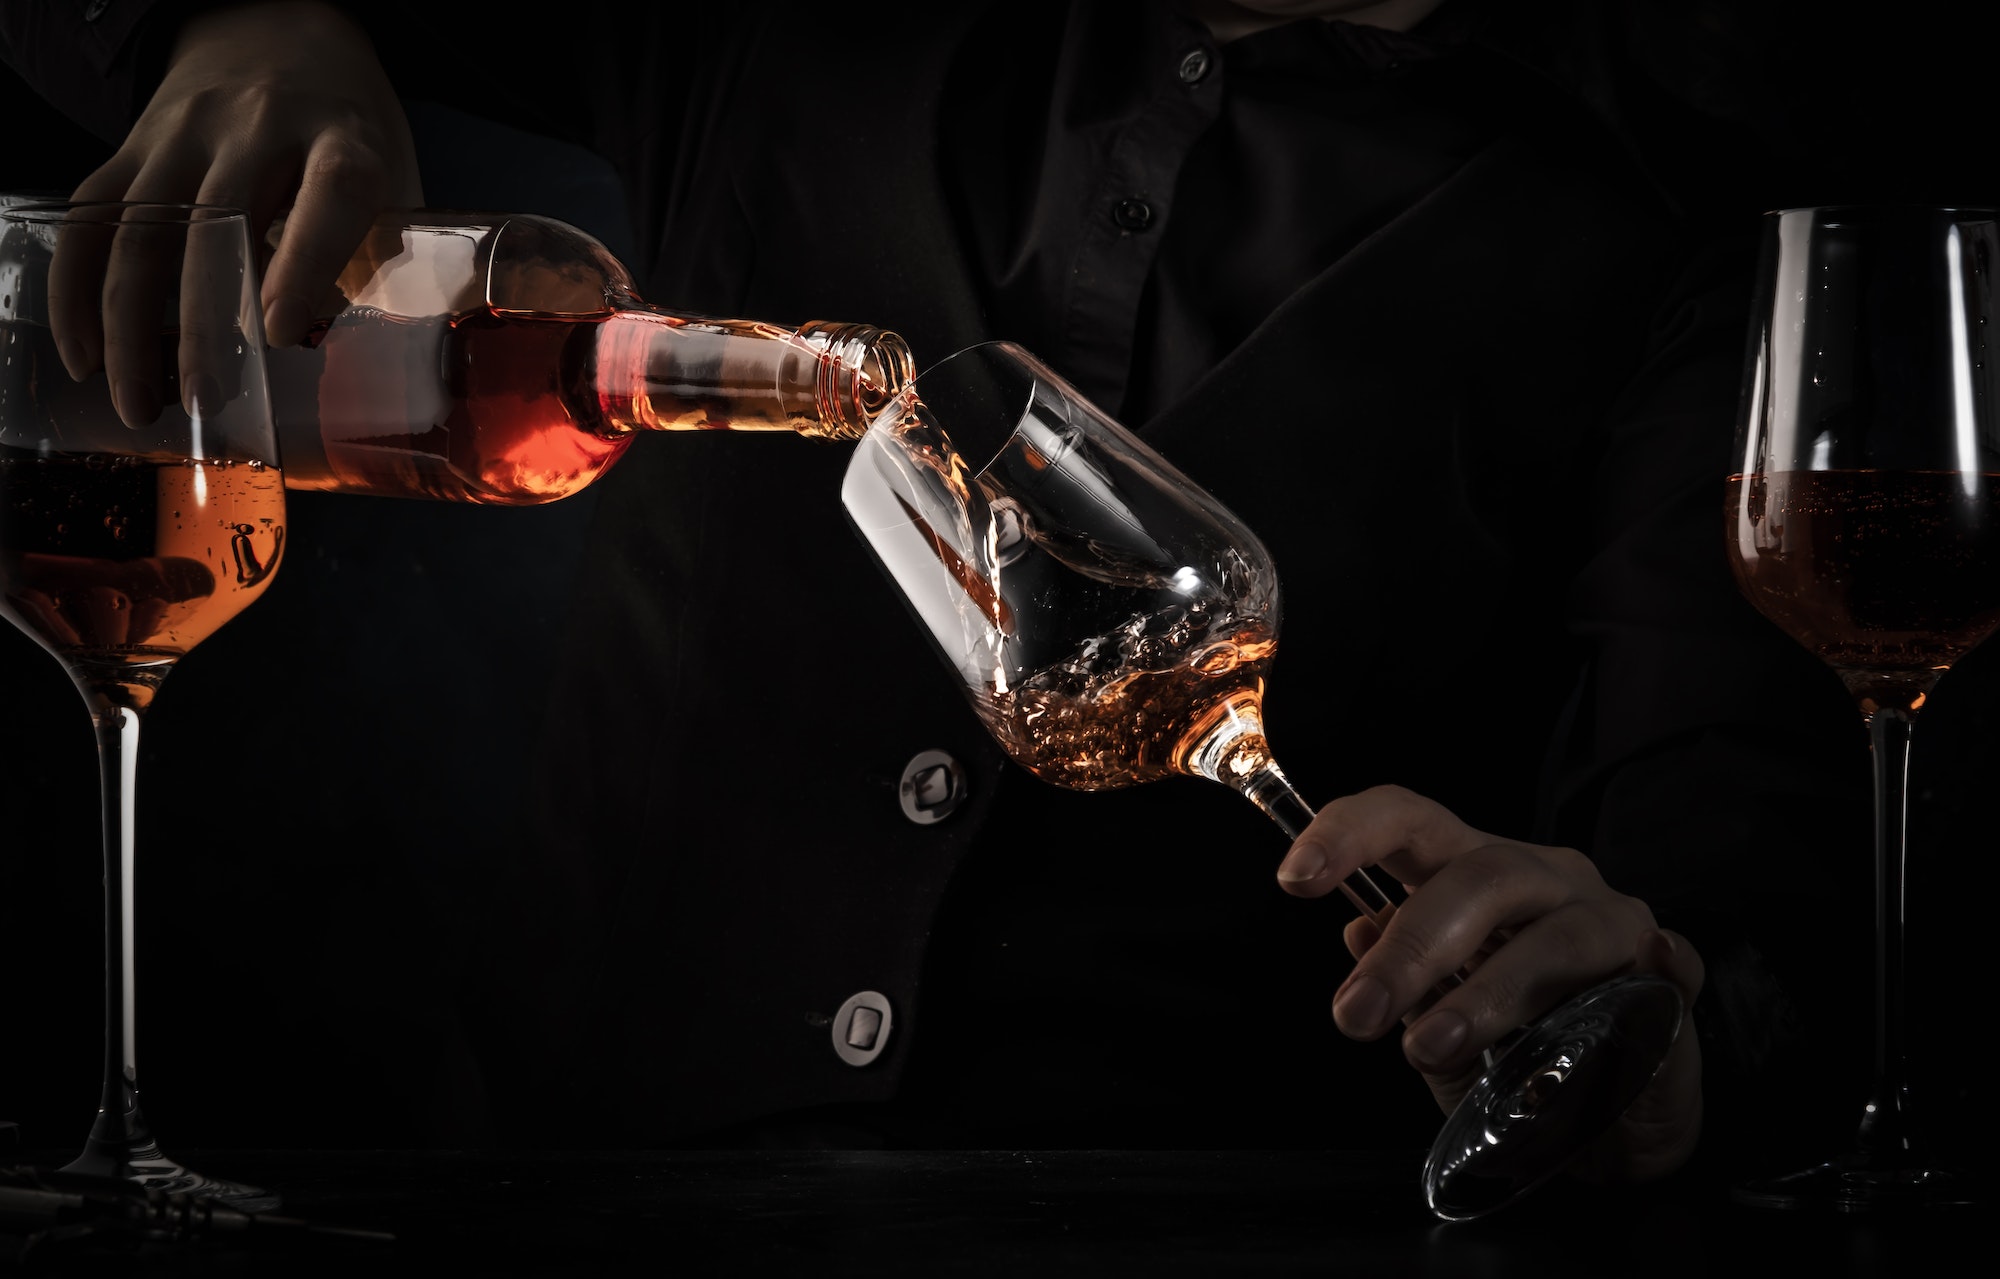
(1112, 624)
(134, 523)
(1861, 518)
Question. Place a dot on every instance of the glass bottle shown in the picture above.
(508, 359)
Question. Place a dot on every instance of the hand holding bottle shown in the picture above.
(277, 108)
(1564, 929)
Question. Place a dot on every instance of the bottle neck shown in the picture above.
(656, 371)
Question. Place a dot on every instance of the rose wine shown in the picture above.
(477, 408)
(115, 560)
(1138, 705)
(517, 408)
(1173, 680)
(1889, 576)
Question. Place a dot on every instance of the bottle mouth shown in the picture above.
(881, 367)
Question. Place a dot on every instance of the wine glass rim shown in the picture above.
(1019, 358)
(170, 212)
(1863, 208)
(990, 346)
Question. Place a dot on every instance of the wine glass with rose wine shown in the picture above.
(1861, 517)
(130, 530)
(1112, 624)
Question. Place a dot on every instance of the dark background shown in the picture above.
(301, 962)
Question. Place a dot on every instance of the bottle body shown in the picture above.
(508, 360)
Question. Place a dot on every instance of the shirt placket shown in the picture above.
(1127, 214)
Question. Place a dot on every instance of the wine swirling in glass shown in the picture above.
(1178, 632)
(1113, 624)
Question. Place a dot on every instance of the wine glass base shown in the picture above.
(1860, 1183)
(151, 1170)
(1561, 1084)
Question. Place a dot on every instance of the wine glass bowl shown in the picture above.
(1860, 511)
(1860, 518)
(141, 507)
(1113, 624)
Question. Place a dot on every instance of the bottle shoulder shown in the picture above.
(435, 262)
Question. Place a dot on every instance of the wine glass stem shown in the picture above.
(1886, 1122)
(1269, 789)
(120, 1135)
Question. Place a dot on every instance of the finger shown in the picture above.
(338, 197)
(217, 295)
(1666, 953)
(1658, 1131)
(1405, 833)
(76, 293)
(1440, 928)
(102, 612)
(259, 180)
(145, 259)
(147, 267)
(219, 303)
(1562, 952)
(1360, 934)
(43, 609)
(77, 271)
(109, 181)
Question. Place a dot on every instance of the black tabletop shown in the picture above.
(1036, 1213)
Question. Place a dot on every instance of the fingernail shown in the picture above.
(1654, 952)
(73, 358)
(1304, 862)
(286, 320)
(135, 402)
(1433, 1042)
(1361, 1009)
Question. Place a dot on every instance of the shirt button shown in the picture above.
(1194, 66)
(1133, 215)
(861, 1027)
(932, 788)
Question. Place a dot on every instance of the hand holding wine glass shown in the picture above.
(123, 543)
(1564, 929)
(1113, 624)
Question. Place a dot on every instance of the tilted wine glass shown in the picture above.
(1862, 519)
(1112, 624)
(126, 542)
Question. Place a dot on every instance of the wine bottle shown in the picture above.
(508, 359)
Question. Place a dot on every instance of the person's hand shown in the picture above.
(1530, 925)
(277, 109)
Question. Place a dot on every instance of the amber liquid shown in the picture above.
(1133, 704)
(505, 408)
(113, 560)
(1133, 707)
(1889, 576)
